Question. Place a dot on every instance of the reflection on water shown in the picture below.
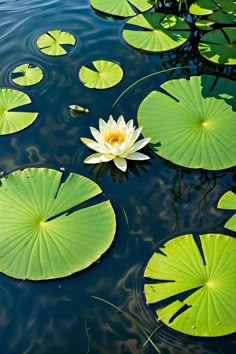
(154, 200)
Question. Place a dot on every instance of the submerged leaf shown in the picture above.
(192, 125)
(41, 237)
(209, 310)
(77, 108)
(12, 121)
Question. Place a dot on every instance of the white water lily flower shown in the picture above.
(116, 141)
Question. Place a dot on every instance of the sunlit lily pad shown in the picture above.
(11, 120)
(219, 46)
(228, 201)
(156, 32)
(55, 42)
(195, 127)
(105, 74)
(205, 25)
(40, 236)
(220, 11)
(122, 8)
(27, 75)
(199, 283)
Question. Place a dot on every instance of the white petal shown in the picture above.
(130, 125)
(121, 163)
(96, 134)
(102, 124)
(137, 156)
(116, 151)
(94, 145)
(139, 145)
(121, 122)
(111, 124)
(108, 146)
(134, 136)
(97, 158)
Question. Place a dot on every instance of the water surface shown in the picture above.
(160, 199)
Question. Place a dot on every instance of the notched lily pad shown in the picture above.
(219, 46)
(205, 25)
(45, 231)
(194, 124)
(27, 75)
(228, 201)
(208, 271)
(11, 120)
(122, 8)
(55, 42)
(156, 32)
(105, 75)
(220, 11)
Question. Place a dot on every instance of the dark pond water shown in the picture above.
(160, 199)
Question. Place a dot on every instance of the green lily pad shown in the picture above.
(122, 8)
(13, 121)
(228, 201)
(220, 11)
(105, 75)
(27, 75)
(219, 46)
(209, 310)
(55, 42)
(204, 25)
(156, 32)
(195, 127)
(41, 237)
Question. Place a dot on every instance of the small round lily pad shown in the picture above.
(27, 75)
(196, 278)
(122, 8)
(55, 42)
(156, 32)
(193, 124)
(219, 46)
(105, 74)
(11, 120)
(47, 229)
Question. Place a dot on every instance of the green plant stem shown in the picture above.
(133, 320)
(146, 77)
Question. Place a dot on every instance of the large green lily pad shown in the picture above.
(122, 8)
(105, 75)
(40, 236)
(27, 75)
(228, 201)
(156, 32)
(55, 42)
(195, 127)
(210, 309)
(12, 121)
(219, 46)
(220, 11)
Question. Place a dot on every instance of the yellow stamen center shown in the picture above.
(115, 136)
